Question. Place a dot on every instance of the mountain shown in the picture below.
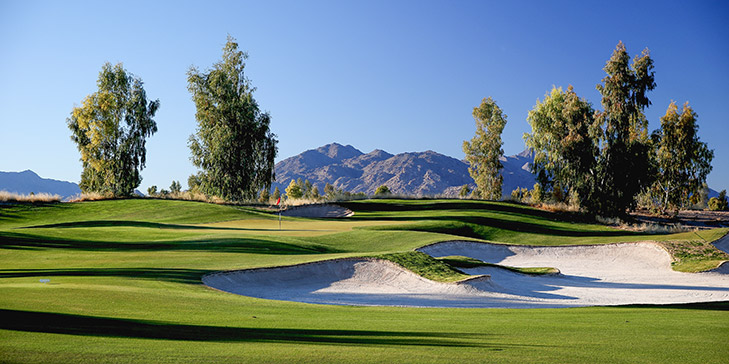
(28, 181)
(418, 173)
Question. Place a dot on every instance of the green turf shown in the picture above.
(125, 287)
(457, 261)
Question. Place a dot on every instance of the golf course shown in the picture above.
(122, 281)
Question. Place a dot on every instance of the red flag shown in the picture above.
(278, 201)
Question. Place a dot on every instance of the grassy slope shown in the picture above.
(125, 287)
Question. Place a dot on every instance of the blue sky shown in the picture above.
(395, 75)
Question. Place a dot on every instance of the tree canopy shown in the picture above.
(564, 139)
(484, 150)
(233, 145)
(623, 167)
(682, 160)
(110, 130)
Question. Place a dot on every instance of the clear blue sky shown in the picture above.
(395, 75)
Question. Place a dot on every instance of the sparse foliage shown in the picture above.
(465, 190)
(683, 162)
(175, 187)
(110, 131)
(484, 150)
(194, 182)
(623, 166)
(152, 191)
(329, 190)
(264, 196)
(564, 139)
(233, 145)
(276, 194)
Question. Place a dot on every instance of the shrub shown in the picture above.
(294, 190)
(6, 196)
(382, 191)
(718, 203)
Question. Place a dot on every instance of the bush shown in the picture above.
(294, 190)
(718, 203)
(382, 190)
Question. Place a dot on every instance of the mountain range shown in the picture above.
(417, 173)
(28, 181)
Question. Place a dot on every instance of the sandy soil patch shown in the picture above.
(615, 274)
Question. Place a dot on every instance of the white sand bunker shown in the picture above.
(616, 274)
(318, 211)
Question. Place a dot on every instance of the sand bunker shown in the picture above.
(615, 274)
(318, 211)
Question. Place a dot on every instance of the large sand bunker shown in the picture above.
(615, 274)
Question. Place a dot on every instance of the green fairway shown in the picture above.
(125, 287)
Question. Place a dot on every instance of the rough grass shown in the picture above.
(457, 261)
(694, 256)
(425, 266)
(125, 287)
(6, 196)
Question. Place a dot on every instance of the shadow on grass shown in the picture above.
(189, 276)
(463, 205)
(69, 324)
(485, 228)
(13, 240)
(479, 227)
(137, 224)
(707, 306)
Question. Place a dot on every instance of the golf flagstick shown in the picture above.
(278, 202)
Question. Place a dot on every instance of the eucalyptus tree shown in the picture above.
(233, 144)
(682, 160)
(624, 167)
(110, 129)
(565, 143)
(484, 150)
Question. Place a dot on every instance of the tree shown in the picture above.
(382, 191)
(233, 144)
(718, 203)
(110, 131)
(175, 187)
(307, 189)
(484, 150)
(315, 193)
(329, 190)
(276, 194)
(564, 140)
(264, 196)
(294, 190)
(623, 166)
(194, 182)
(151, 191)
(682, 160)
(465, 190)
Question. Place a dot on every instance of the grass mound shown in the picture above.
(425, 266)
(457, 261)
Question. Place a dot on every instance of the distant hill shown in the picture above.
(28, 181)
(418, 173)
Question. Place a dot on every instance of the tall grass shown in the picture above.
(6, 196)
